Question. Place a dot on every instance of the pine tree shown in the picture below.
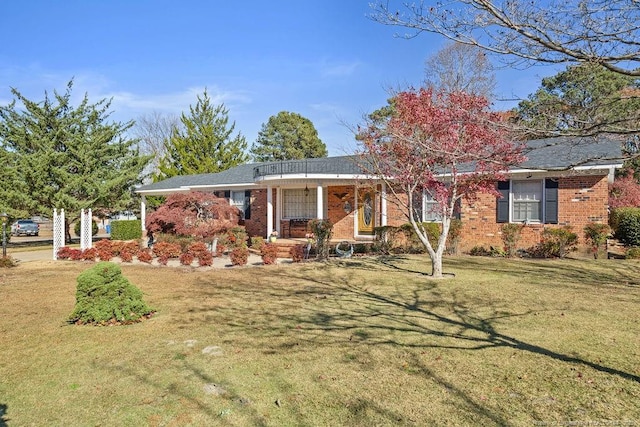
(204, 143)
(288, 136)
(68, 157)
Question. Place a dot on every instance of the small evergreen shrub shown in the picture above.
(126, 229)
(237, 237)
(76, 228)
(556, 243)
(633, 253)
(596, 236)
(385, 237)
(269, 253)
(257, 242)
(510, 237)
(239, 255)
(104, 296)
(628, 226)
(479, 251)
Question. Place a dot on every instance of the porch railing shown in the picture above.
(306, 167)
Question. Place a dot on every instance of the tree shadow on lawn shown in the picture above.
(354, 305)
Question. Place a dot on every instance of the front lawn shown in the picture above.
(358, 342)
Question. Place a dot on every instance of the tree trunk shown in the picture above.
(436, 265)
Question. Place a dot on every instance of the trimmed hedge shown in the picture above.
(126, 229)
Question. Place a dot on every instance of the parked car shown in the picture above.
(25, 227)
(124, 215)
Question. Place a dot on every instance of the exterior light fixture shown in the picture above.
(306, 190)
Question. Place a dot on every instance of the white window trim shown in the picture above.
(543, 203)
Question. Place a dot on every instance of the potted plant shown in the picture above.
(273, 236)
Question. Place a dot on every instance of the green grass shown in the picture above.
(361, 342)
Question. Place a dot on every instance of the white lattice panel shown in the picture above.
(86, 223)
(58, 232)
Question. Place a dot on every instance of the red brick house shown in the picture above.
(563, 182)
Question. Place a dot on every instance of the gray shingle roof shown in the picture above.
(544, 154)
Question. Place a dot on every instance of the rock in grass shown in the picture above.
(105, 297)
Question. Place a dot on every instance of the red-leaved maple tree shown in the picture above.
(449, 146)
(195, 213)
(624, 192)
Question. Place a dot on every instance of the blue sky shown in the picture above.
(323, 59)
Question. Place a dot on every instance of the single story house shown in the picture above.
(563, 182)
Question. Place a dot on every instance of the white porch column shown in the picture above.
(383, 205)
(319, 201)
(269, 211)
(143, 212)
(278, 210)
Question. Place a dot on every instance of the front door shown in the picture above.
(366, 211)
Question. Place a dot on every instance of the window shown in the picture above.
(431, 209)
(298, 203)
(528, 201)
(527, 197)
(241, 200)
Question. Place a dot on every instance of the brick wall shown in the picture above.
(337, 197)
(257, 224)
(581, 200)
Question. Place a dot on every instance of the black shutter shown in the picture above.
(247, 201)
(502, 204)
(550, 201)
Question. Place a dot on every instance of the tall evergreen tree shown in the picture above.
(288, 136)
(67, 157)
(583, 99)
(204, 142)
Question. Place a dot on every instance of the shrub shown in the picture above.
(257, 242)
(126, 229)
(633, 253)
(479, 251)
(596, 236)
(183, 241)
(186, 258)
(556, 243)
(7, 262)
(323, 230)
(453, 238)
(197, 249)
(75, 254)
(103, 245)
(239, 255)
(64, 252)
(89, 254)
(237, 237)
(385, 237)
(105, 296)
(76, 228)
(627, 222)
(269, 253)
(205, 259)
(144, 255)
(167, 250)
(297, 252)
(510, 237)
